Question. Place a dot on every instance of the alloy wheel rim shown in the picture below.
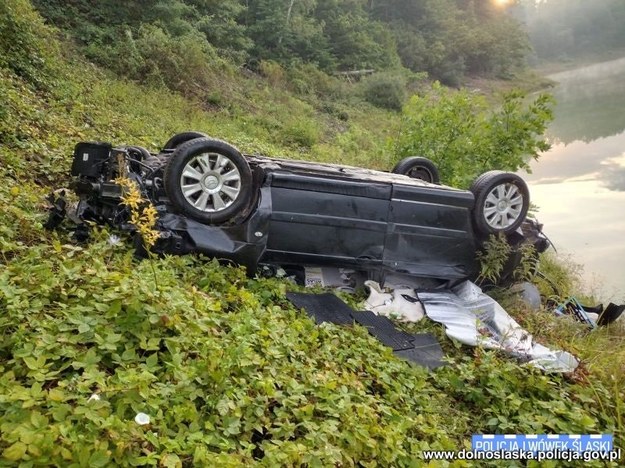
(503, 206)
(210, 182)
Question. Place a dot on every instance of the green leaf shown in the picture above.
(15, 452)
(115, 308)
(171, 460)
(34, 363)
(493, 422)
(56, 394)
(152, 360)
(98, 459)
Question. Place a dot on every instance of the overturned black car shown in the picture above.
(255, 210)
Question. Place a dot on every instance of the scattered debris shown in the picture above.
(468, 314)
(611, 314)
(572, 307)
(384, 330)
(94, 397)
(342, 279)
(142, 419)
(422, 349)
(593, 316)
(527, 293)
(473, 318)
(401, 304)
(427, 351)
(323, 307)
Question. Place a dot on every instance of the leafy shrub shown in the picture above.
(464, 137)
(308, 79)
(303, 133)
(187, 63)
(384, 90)
(493, 258)
(273, 72)
(26, 45)
(184, 64)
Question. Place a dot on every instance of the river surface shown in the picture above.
(579, 185)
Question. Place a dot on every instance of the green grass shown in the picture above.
(228, 371)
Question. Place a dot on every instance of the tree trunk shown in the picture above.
(288, 19)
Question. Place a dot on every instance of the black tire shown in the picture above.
(181, 138)
(218, 180)
(501, 202)
(418, 167)
(138, 153)
(479, 178)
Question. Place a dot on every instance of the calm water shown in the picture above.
(579, 185)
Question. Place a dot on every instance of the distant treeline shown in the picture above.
(566, 29)
(446, 38)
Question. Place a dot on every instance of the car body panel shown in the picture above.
(321, 219)
(430, 232)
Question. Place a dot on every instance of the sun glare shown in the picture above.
(502, 3)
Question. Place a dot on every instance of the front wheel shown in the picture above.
(501, 202)
(208, 180)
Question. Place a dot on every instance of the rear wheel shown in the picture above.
(418, 167)
(501, 202)
(181, 138)
(208, 180)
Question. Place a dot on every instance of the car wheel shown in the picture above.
(138, 153)
(181, 138)
(418, 167)
(501, 202)
(208, 180)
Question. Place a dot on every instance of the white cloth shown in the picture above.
(401, 304)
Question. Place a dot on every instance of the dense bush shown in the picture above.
(464, 136)
(385, 90)
(27, 47)
(302, 134)
(444, 38)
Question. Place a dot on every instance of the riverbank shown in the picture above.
(528, 81)
(550, 68)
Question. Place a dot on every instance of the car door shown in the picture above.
(322, 220)
(430, 232)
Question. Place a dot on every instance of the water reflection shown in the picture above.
(579, 185)
(590, 103)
